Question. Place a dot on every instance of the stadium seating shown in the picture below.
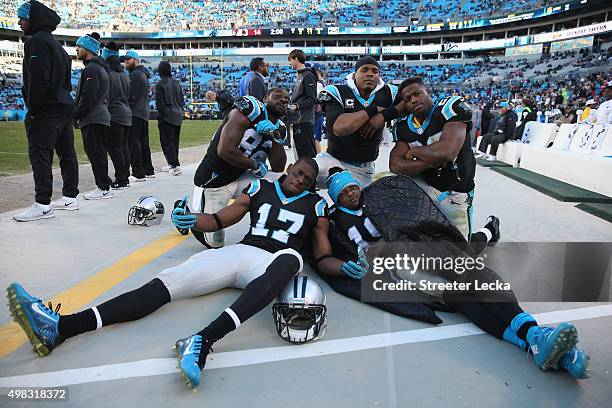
(535, 134)
(586, 163)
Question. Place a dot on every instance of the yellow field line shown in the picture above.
(84, 292)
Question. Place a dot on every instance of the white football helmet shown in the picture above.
(148, 211)
(299, 311)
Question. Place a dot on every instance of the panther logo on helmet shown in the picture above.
(147, 211)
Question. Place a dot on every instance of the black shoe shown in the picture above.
(493, 225)
(116, 185)
(182, 231)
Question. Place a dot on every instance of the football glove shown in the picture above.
(356, 270)
(181, 219)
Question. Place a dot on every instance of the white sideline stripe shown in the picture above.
(160, 366)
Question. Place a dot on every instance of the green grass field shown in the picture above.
(14, 143)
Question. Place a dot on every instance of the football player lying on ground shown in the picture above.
(251, 134)
(284, 214)
(506, 320)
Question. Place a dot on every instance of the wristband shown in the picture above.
(218, 221)
(390, 113)
(371, 110)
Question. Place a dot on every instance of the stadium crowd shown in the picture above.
(140, 15)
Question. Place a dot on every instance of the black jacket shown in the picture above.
(305, 96)
(118, 93)
(169, 97)
(92, 94)
(506, 125)
(485, 119)
(139, 92)
(46, 67)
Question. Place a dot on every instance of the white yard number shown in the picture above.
(296, 220)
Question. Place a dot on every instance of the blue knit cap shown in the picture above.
(338, 182)
(89, 43)
(106, 53)
(23, 11)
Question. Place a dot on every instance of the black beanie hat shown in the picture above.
(366, 60)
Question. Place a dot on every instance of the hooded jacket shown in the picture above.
(139, 92)
(46, 66)
(118, 93)
(92, 94)
(168, 97)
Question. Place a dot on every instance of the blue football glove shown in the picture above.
(356, 270)
(261, 171)
(181, 219)
(183, 205)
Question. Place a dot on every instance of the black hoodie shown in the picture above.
(118, 93)
(139, 92)
(92, 94)
(168, 96)
(46, 66)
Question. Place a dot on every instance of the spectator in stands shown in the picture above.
(504, 130)
(92, 112)
(604, 112)
(302, 105)
(588, 111)
(142, 165)
(253, 83)
(528, 114)
(121, 117)
(568, 115)
(170, 103)
(46, 91)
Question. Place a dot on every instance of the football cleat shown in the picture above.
(190, 351)
(549, 344)
(39, 322)
(576, 362)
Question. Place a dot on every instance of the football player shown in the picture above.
(355, 116)
(551, 347)
(433, 147)
(250, 135)
(284, 214)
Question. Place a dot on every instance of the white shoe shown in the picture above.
(492, 158)
(167, 168)
(478, 154)
(150, 176)
(98, 194)
(35, 212)
(66, 203)
(176, 171)
(137, 180)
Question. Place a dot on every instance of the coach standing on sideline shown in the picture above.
(46, 92)
(355, 115)
(302, 105)
(92, 112)
(169, 102)
(253, 83)
(142, 165)
(121, 117)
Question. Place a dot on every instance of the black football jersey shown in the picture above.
(354, 225)
(339, 99)
(279, 222)
(463, 168)
(216, 172)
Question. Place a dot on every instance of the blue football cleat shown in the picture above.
(576, 362)
(39, 322)
(188, 351)
(549, 344)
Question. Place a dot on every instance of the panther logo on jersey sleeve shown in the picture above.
(455, 109)
(250, 107)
